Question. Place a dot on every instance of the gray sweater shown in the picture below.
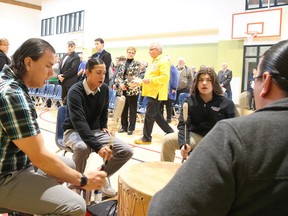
(239, 168)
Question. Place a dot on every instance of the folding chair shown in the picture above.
(142, 110)
(61, 114)
(57, 96)
(49, 94)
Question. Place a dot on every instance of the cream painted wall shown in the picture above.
(18, 24)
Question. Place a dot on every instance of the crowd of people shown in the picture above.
(221, 155)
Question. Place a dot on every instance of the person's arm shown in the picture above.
(206, 183)
(40, 157)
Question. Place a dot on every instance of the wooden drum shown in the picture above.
(139, 182)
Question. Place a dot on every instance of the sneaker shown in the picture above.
(107, 190)
(142, 142)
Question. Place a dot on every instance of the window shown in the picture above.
(252, 54)
(256, 4)
(72, 22)
(47, 26)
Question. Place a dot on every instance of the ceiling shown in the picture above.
(34, 2)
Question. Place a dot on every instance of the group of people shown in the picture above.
(221, 175)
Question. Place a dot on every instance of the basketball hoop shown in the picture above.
(250, 36)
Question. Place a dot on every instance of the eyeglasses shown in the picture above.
(151, 49)
(257, 77)
(275, 76)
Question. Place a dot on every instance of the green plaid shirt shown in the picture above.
(17, 120)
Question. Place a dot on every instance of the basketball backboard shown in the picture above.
(264, 23)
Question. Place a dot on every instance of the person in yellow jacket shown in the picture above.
(155, 88)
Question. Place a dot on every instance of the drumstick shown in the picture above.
(185, 116)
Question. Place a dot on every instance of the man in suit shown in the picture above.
(104, 55)
(225, 77)
(68, 69)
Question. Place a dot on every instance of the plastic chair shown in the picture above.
(61, 114)
(181, 99)
(142, 110)
(57, 98)
(112, 98)
(39, 94)
(49, 93)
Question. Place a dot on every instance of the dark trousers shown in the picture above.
(131, 108)
(168, 103)
(153, 114)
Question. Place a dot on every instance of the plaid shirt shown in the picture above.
(17, 120)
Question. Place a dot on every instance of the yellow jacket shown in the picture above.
(159, 74)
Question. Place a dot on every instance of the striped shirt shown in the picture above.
(17, 120)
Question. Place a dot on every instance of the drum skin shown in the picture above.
(137, 184)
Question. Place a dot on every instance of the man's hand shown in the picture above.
(185, 152)
(96, 180)
(60, 77)
(105, 152)
(146, 81)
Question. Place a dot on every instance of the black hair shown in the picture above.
(100, 40)
(33, 48)
(274, 60)
(92, 62)
(217, 90)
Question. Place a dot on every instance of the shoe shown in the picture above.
(122, 130)
(142, 142)
(129, 132)
(107, 190)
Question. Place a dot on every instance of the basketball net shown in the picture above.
(251, 36)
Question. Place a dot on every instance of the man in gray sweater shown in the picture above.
(241, 166)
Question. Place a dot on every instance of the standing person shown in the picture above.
(225, 77)
(155, 87)
(193, 71)
(85, 127)
(119, 62)
(81, 68)
(206, 106)
(128, 71)
(105, 56)
(250, 87)
(172, 91)
(68, 69)
(4, 47)
(23, 156)
(185, 78)
(241, 166)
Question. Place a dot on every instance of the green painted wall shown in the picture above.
(211, 54)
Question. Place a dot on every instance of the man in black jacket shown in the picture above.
(104, 55)
(68, 69)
